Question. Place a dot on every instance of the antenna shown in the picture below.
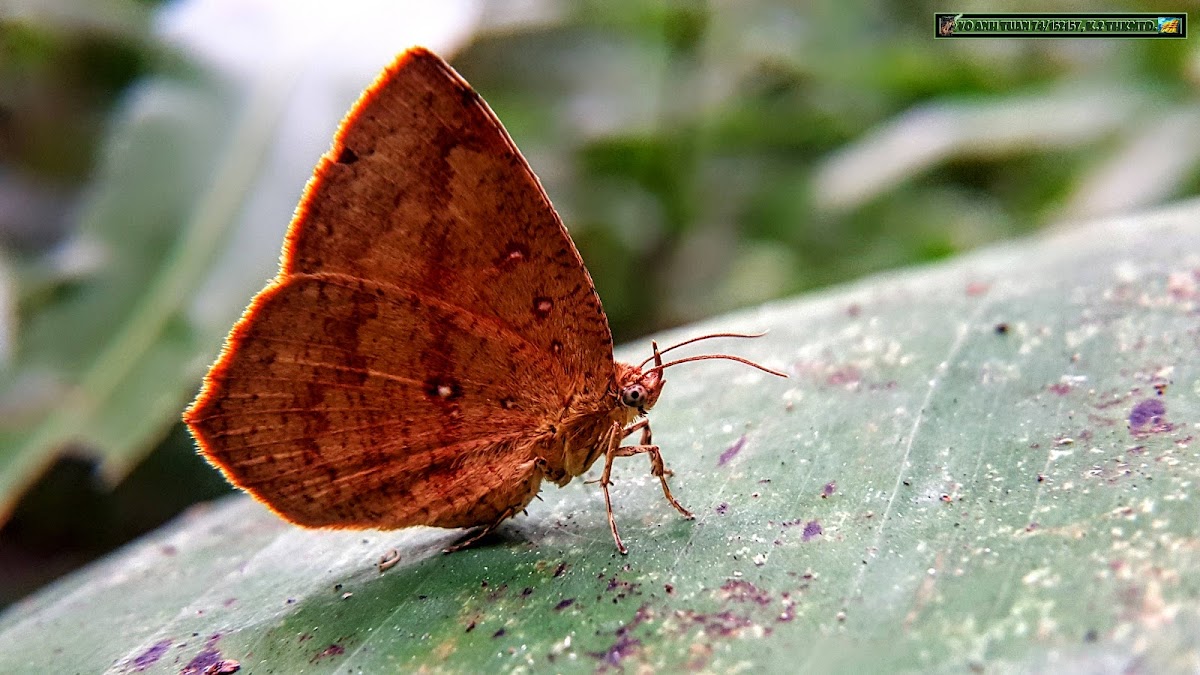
(657, 354)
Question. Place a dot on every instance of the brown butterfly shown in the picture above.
(433, 347)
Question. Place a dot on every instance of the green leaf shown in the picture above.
(984, 464)
(86, 343)
(180, 165)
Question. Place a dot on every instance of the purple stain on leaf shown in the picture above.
(1147, 413)
(150, 656)
(740, 590)
(624, 646)
(331, 650)
(829, 489)
(844, 376)
(641, 616)
(722, 508)
(564, 604)
(812, 529)
(208, 658)
(732, 451)
(722, 624)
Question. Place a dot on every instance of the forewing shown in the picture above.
(351, 403)
(424, 189)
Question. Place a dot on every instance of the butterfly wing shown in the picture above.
(430, 321)
(323, 406)
(425, 190)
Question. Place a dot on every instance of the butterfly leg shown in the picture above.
(614, 443)
(657, 468)
(471, 540)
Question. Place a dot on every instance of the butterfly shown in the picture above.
(432, 348)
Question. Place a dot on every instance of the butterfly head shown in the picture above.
(637, 389)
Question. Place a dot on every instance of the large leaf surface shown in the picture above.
(984, 464)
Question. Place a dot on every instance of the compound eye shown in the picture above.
(633, 396)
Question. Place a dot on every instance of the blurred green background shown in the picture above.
(705, 157)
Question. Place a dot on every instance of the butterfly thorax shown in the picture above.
(586, 428)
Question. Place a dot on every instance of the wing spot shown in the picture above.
(515, 252)
(347, 156)
(556, 347)
(443, 388)
(542, 306)
(507, 403)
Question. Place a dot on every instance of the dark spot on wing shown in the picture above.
(444, 388)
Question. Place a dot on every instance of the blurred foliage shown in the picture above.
(704, 156)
